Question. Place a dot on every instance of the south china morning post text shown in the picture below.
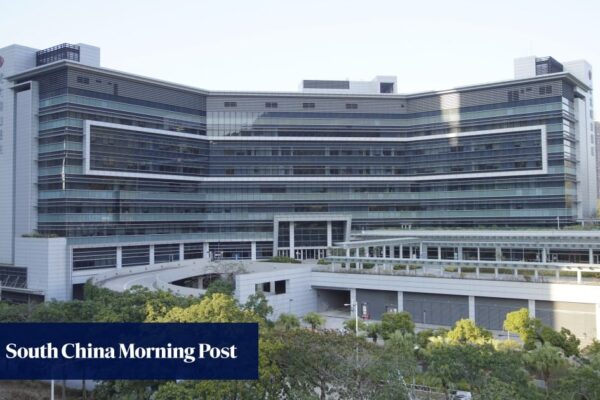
(129, 351)
(70, 351)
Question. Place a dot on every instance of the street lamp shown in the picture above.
(354, 305)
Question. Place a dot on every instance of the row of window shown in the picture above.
(375, 171)
(272, 104)
(513, 95)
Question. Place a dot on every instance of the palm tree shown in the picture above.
(544, 361)
(313, 319)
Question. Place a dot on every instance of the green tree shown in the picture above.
(373, 330)
(424, 336)
(220, 286)
(14, 312)
(287, 322)
(326, 364)
(582, 382)
(175, 391)
(564, 340)
(315, 320)
(520, 323)
(545, 361)
(532, 332)
(216, 308)
(258, 304)
(474, 366)
(465, 330)
(400, 353)
(592, 349)
(392, 322)
(68, 311)
(350, 325)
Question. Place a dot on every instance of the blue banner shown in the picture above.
(101, 351)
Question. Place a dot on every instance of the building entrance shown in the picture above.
(304, 254)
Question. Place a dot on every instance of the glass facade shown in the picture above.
(233, 171)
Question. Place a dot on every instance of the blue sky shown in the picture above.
(273, 45)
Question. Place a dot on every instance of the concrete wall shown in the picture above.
(14, 58)
(299, 298)
(26, 171)
(436, 309)
(377, 302)
(493, 298)
(491, 312)
(579, 318)
(47, 265)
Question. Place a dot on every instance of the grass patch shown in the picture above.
(400, 267)
(593, 275)
(506, 271)
(283, 259)
(466, 270)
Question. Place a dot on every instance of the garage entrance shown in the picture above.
(333, 300)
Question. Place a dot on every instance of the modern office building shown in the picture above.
(116, 170)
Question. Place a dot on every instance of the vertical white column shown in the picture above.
(498, 254)
(472, 308)
(151, 254)
(181, 252)
(292, 244)
(401, 251)
(253, 251)
(348, 252)
(439, 252)
(478, 254)
(329, 234)
(205, 251)
(459, 252)
(119, 257)
(578, 276)
(544, 255)
(531, 307)
(400, 301)
(352, 301)
(422, 253)
(275, 238)
(591, 255)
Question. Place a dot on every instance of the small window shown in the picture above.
(229, 104)
(271, 104)
(351, 106)
(280, 287)
(386, 87)
(83, 79)
(308, 105)
(545, 89)
(513, 95)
